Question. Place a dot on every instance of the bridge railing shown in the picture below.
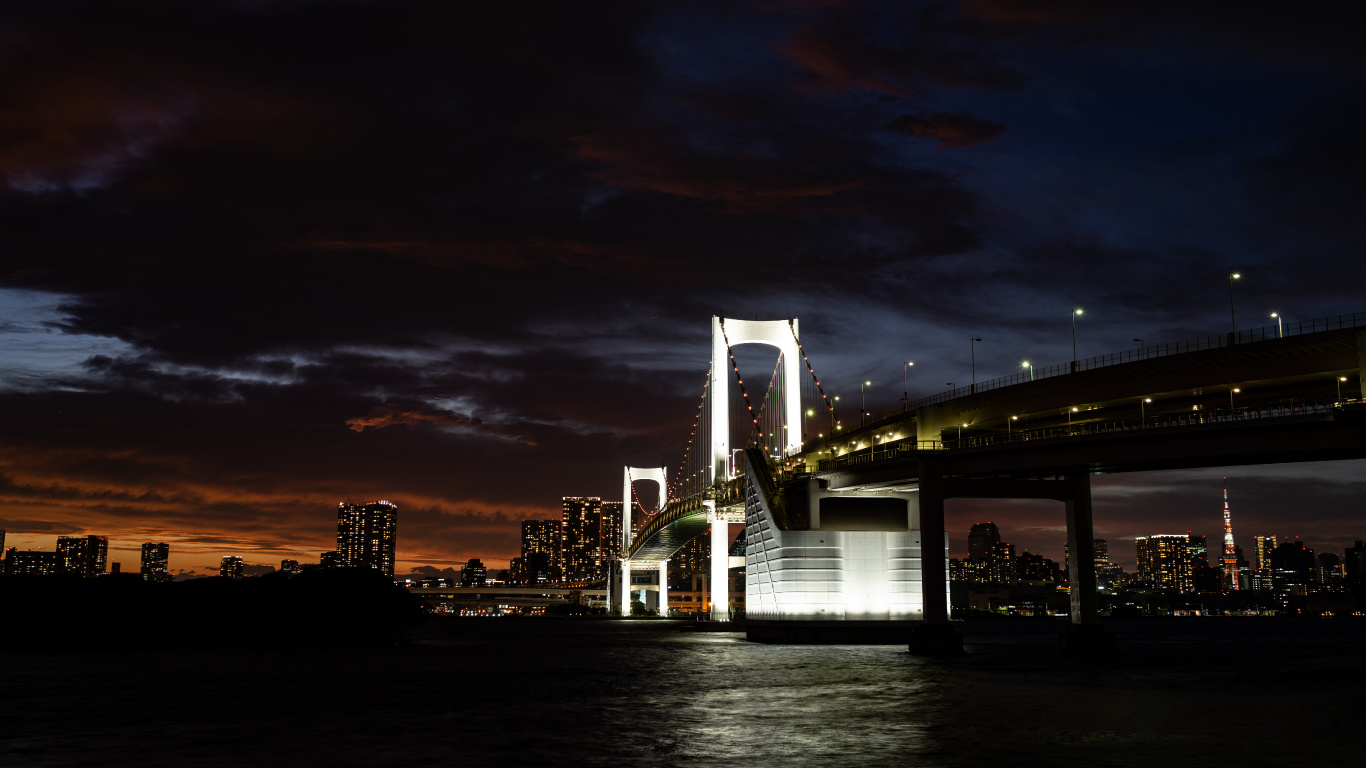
(1279, 408)
(1246, 336)
(890, 450)
(725, 492)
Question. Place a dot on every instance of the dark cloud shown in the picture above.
(951, 131)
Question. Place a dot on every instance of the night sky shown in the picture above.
(257, 258)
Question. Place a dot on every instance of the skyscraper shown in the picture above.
(367, 535)
(473, 573)
(231, 567)
(541, 551)
(155, 562)
(1164, 561)
(1230, 558)
(581, 528)
(981, 538)
(611, 529)
(83, 555)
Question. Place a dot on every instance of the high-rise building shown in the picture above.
(156, 559)
(1164, 561)
(290, 567)
(83, 555)
(581, 545)
(1330, 568)
(1354, 562)
(541, 551)
(981, 538)
(231, 567)
(367, 535)
(693, 558)
(1263, 551)
(1292, 568)
(330, 560)
(473, 573)
(32, 563)
(1001, 563)
(611, 530)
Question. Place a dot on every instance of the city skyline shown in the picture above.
(249, 274)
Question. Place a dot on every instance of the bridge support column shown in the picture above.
(625, 587)
(935, 636)
(664, 589)
(720, 569)
(1084, 635)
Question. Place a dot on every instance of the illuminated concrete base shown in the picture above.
(829, 632)
(1086, 640)
(838, 570)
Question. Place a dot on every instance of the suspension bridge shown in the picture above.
(844, 524)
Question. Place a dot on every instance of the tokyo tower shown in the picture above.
(1230, 559)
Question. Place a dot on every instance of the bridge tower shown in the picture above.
(659, 475)
(726, 333)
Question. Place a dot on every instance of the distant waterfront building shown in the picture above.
(290, 567)
(1354, 562)
(83, 555)
(329, 560)
(156, 558)
(231, 567)
(1164, 561)
(1292, 568)
(30, 563)
(367, 535)
(693, 558)
(541, 551)
(581, 546)
(1330, 568)
(473, 573)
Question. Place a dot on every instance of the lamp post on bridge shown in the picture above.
(1139, 342)
(1075, 312)
(1280, 331)
(1142, 412)
(973, 349)
(1339, 383)
(905, 390)
(1232, 316)
(833, 425)
(809, 412)
(1231, 393)
(863, 405)
(1030, 366)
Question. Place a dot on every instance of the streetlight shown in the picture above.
(833, 425)
(863, 412)
(905, 393)
(973, 347)
(1139, 342)
(1075, 312)
(1069, 415)
(1280, 332)
(1231, 315)
(1012, 418)
(1339, 383)
(1030, 366)
(1231, 393)
(1142, 413)
(809, 412)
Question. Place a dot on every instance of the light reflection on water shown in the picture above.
(643, 693)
